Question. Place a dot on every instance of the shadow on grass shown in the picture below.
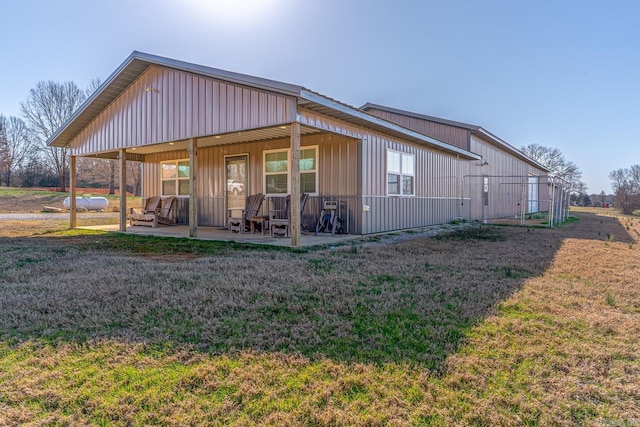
(408, 302)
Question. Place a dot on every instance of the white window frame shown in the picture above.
(315, 171)
(288, 172)
(177, 179)
(401, 174)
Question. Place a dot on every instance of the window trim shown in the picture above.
(400, 173)
(265, 173)
(288, 172)
(177, 179)
(316, 170)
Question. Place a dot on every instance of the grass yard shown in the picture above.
(22, 200)
(484, 326)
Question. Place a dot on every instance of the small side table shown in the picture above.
(261, 220)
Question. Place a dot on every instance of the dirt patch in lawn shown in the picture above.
(23, 203)
(26, 200)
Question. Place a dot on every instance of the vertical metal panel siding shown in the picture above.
(437, 183)
(450, 134)
(167, 105)
(502, 164)
(438, 177)
(337, 174)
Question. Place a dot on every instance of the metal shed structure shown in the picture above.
(201, 131)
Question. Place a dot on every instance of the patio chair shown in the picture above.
(242, 222)
(164, 215)
(280, 220)
(148, 216)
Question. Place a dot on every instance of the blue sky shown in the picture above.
(558, 73)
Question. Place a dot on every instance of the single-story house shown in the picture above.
(211, 137)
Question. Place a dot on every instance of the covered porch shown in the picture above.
(204, 167)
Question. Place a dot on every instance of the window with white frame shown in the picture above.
(276, 171)
(309, 170)
(175, 178)
(400, 173)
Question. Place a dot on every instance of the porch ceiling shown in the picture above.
(223, 139)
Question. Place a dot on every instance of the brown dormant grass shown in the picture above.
(486, 326)
(22, 200)
(29, 228)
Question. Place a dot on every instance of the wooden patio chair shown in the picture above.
(280, 221)
(164, 214)
(149, 214)
(242, 222)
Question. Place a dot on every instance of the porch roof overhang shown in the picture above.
(138, 62)
(252, 135)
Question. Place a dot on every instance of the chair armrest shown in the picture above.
(280, 214)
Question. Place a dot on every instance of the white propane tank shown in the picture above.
(89, 203)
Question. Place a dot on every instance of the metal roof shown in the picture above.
(370, 106)
(350, 114)
(474, 129)
(138, 62)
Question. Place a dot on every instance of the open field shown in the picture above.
(23, 200)
(485, 326)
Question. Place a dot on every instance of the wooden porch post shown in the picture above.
(295, 185)
(193, 199)
(72, 192)
(123, 190)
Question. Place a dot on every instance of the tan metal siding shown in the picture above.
(437, 187)
(167, 105)
(337, 175)
(353, 171)
(455, 136)
(508, 178)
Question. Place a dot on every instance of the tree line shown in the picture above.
(626, 187)
(27, 161)
(553, 159)
(625, 182)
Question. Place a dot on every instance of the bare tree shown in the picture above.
(92, 172)
(94, 84)
(4, 145)
(103, 172)
(134, 176)
(626, 186)
(554, 160)
(48, 106)
(15, 146)
(112, 164)
(113, 170)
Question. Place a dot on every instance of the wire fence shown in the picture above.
(540, 200)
